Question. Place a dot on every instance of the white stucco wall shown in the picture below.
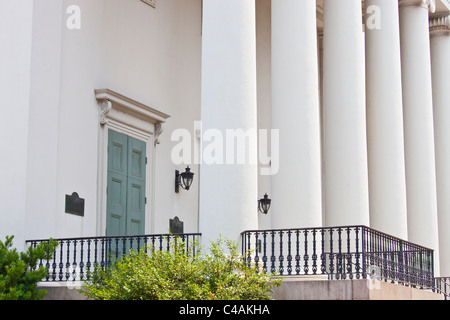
(15, 60)
(153, 58)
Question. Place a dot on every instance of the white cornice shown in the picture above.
(119, 109)
(440, 23)
(113, 99)
(427, 4)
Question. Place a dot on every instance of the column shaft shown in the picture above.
(296, 188)
(344, 117)
(228, 192)
(440, 69)
(418, 126)
(387, 186)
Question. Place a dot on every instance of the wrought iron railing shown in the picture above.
(443, 286)
(74, 259)
(348, 252)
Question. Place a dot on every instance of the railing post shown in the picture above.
(314, 255)
(68, 260)
(249, 249)
(306, 256)
(74, 264)
(289, 257)
(265, 252)
(357, 265)
(323, 258)
(431, 266)
(339, 256)
(297, 253)
(331, 254)
(54, 266)
(257, 250)
(363, 252)
(401, 263)
(281, 257)
(349, 255)
(243, 245)
(272, 257)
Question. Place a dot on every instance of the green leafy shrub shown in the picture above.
(178, 275)
(18, 281)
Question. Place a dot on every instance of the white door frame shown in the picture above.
(136, 120)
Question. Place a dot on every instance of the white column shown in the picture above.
(387, 186)
(440, 69)
(344, 117)
(296, 188)
(228, 192)
(418, 125)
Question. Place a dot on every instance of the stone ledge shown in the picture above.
(304, 289)
(60, 291)
(361, 289)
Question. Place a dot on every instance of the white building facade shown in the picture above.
(344, 106)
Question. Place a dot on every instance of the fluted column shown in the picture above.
(228, 192)
(295, 112)
(418, 124)
(344, 118)
(387, 186)
(440, 69)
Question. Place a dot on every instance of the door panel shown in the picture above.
(136, 206)
(116, 204)
(117, 153)
(136, 160)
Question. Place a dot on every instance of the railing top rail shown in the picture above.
(121, 237)
(342, 227)
(310, 228)
(446, 279)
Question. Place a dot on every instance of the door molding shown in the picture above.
(137, 120)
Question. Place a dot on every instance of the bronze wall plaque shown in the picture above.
(75, 205)
(176, 226)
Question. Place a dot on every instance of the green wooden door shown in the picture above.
(125, 209)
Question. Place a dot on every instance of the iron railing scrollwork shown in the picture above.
(74, 259)
(347, 252)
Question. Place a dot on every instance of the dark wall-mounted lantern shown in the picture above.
(183, 180)
(264, 204)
